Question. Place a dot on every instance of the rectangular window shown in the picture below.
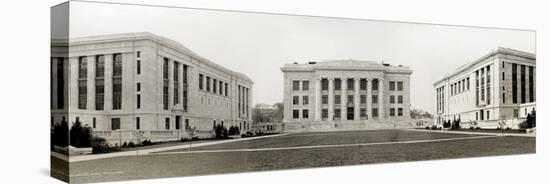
(324, 99)
(523, 84)
(363, 99)
(374, 112)
(138, 101)
(337, 113)
(99, 94)
(305, 114)
(363, 112)
(201, 81)
(167, 123)
(138, 54)
(392, 99)
(115, 123)
(184, 75)
(207, 83)
(295, 113)
(305, 85)
(374, 84)
(400, 99)
(399, 86)
(295, 100)
(363, 84)
(187, 127)
(138, 126)
(226, 89)
(60, 84)
(350, 84)
(374, 99)
(100, 66)
(82, 67)
(514, 84)
(503, 97)
(350, 99)
(176, 83)
(324, 84)
(138, 67)
(178, 122)
(400, 112)
(82, 93)
(305, 100)
(138, 86)
(392, 86)
(531, 84)
(337, 84)
(93, 122)
(392, 111)
(220, 91)
(468, 83)
(117, 81)
(337, 99)
(324, 113)
(214, 86)
(295, 85)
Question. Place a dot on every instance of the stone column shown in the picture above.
(108, 83)
(180, 85)
(330, 99)
(318, 99)
(90, 105)
(356, 98)
(381, 99)
(369, 98)
(344, 98)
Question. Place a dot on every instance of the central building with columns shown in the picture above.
(345, 94)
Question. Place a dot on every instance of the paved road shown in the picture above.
(300, 151)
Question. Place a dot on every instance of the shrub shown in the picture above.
(60, 134)
(146, 142)
(131, 145)
(124, 145)
(221, 132)
(99, 145)
(427, 127)
(234, 130)
(80, 136)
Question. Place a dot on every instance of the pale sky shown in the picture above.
(259, 44)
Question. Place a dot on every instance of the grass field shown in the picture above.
(301, 151)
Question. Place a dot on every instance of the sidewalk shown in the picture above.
(145, 151)
(476, 133)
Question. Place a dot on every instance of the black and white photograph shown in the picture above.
(141, 91)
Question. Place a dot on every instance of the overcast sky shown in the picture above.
(259, 44)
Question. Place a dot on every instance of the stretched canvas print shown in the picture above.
(141, 91)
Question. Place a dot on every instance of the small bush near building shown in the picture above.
(221, 132)
(80, 136)
(234, 130)
(60, 134)
(530, 121)
(100, 145)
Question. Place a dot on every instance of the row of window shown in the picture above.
(460, 86)
(175, 83)
(296, 114)
(523, 86)
(99, 82)
(350, 84)
(213, 85)
(350, 113)
(296, 85)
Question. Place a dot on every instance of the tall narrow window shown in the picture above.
(305, 113)
(167, 123)
(115, 123)
(138, 67)
(226, 90)
(531, 84)
(138, 125)
(176, 82)
(305, 100)
(350, 84)
(99, 82)
(295, 100)
(392, 86)
(208, 83)
(374, 85)
(337, 84)
(138, 101)
(60, 84)
(295, 114)
(374, 99)
(363, 84)
(523, 84)
(514, 83)
(214, 86)
(117, 81)
(324, 84)
(201, 80)
(82, 82)
(400, 99)
(400, 86)
(165, 82)
(220, 91)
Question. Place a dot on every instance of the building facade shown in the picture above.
(141, 81)
(345, 93)
(494, 90)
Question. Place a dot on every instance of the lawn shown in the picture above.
(171, 165)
